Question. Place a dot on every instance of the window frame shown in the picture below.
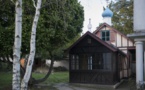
(105, 37)
(90, 64)
(74, 62)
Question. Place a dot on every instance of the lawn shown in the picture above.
(55, 77)
(5, 79)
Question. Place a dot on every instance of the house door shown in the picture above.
(86, 62)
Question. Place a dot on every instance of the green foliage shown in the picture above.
(6, 27)
(60, 22)
(27, 19)
(123, 15)
(59, 52)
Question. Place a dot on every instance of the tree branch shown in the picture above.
(34, 4)
(13, 1)
(48, 73)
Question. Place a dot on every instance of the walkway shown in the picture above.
(126, 85)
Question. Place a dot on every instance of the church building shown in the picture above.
(102, 57)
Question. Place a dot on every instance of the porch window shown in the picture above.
(74, 62)
(107, 61)
(98, 62)
(105, 35)
(90, 63)
(77, 62)
(102, 61)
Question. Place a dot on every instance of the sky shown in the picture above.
(93, 9)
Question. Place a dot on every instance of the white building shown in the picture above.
(139, 38)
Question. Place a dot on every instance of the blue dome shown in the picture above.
(107, 13)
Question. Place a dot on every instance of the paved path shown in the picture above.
(126, 85)
(65, 86)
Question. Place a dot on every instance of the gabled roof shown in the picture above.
(107, 25)
(114, 49)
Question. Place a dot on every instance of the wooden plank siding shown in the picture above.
(93, 77)
(105, 61)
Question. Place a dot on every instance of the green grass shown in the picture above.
(55, 77)
(5, 79)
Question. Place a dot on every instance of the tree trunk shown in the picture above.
(17, 45)
(25, 80)
(47, 75)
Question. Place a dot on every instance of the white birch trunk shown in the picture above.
(17, 45)
(24, 83)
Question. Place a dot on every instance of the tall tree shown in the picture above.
(69, 21)
(65, 21)
(123, 15)
(60, 22)
(17, 45)
(24, 84)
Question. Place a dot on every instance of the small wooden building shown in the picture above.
(94, 61)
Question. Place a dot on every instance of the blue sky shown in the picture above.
(92, 9)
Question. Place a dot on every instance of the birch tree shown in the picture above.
(69, 23)
(25, 80)
(17, 45)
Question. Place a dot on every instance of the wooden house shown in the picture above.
(94, 61)
(102, 57)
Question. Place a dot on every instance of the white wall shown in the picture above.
(118, 40)
(124, 41)
(130, 43)
(62, 63)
